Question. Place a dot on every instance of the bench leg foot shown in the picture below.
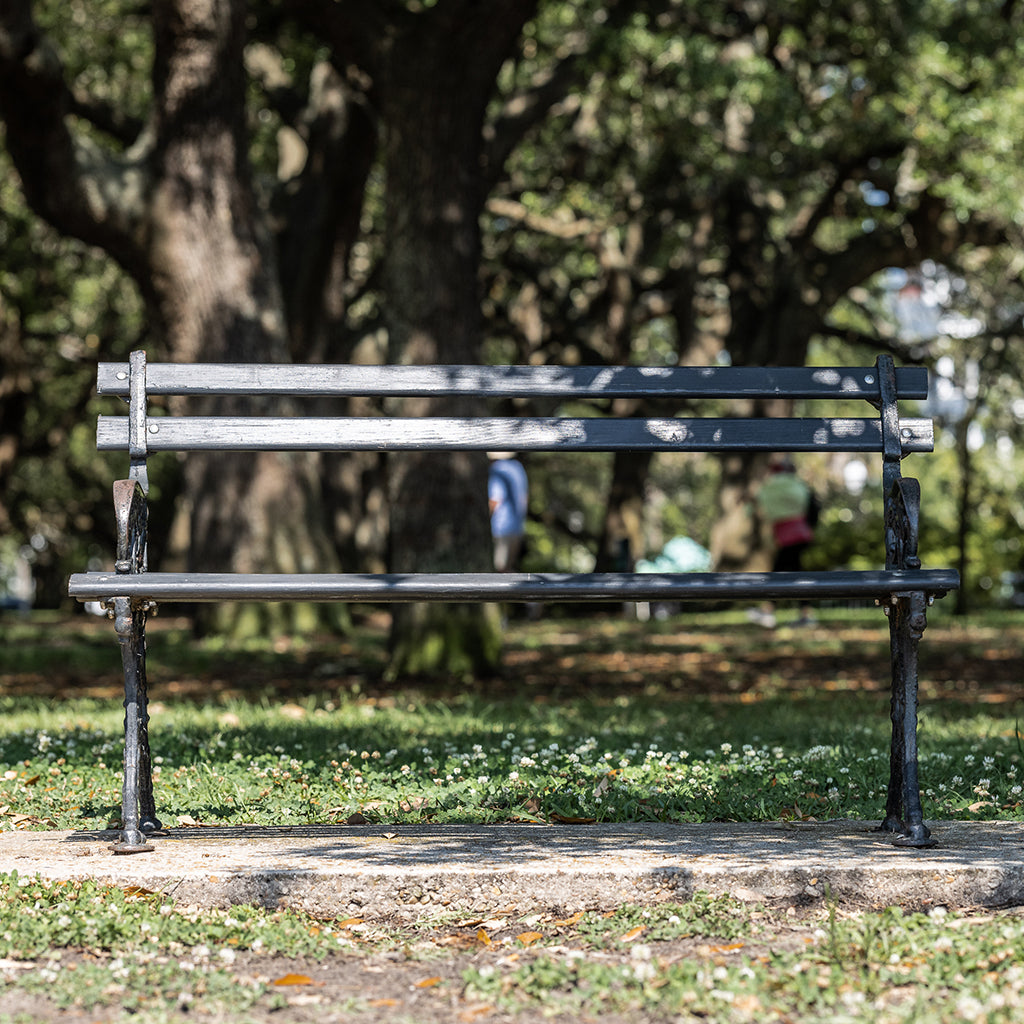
(904, 815)
(138, 810)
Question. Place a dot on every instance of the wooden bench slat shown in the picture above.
(514, 381)
(225, 433)
(456, 587)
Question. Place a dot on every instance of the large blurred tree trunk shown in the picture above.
(179, 212)
(440, 70)
(217, 292)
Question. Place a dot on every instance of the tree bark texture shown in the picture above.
(216, 287)
(178, 210)
(435, 187)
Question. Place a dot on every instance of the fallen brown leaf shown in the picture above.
(295, 979)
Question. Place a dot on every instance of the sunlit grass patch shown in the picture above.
(877, 966)
(471, 760)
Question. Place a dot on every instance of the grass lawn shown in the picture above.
(693, 719)
(699, 717)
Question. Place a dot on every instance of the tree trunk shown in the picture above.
(965, 510)
(440, 74)
(217, 293)
(179, 212)
(438, 502)
(622, 535)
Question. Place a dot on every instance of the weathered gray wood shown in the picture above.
(455, 587)
(513, 433)
(514, 381)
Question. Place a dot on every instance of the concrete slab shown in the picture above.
(413, 871)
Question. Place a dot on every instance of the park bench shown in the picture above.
(903, 588)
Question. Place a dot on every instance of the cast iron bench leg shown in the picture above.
(138, 809)
(904, 815)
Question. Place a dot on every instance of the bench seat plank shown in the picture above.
(514, 381)
(382, 433)
(462, 587)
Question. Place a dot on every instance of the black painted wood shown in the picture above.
(515, 381)
(379, 433)
(470, 587)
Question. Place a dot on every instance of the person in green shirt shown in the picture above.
(789, 506)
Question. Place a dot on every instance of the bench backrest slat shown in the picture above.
(514, 381)
(379, 433)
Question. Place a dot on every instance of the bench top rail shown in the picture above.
(462, 587)
(678, 382)
(380, 433)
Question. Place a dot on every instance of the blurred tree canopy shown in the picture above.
(604, 181)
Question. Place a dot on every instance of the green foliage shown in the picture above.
(62, 304)
(697, 160)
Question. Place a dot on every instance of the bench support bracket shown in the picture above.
(138, 810)
(904, 816)
(907, 612)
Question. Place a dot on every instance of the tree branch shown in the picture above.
(930, 231)
(528, 108)
(70, 181)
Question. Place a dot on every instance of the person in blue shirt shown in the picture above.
(507, 496)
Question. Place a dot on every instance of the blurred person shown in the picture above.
(507, 497)
(790, 507)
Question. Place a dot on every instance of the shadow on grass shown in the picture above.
(718, 656)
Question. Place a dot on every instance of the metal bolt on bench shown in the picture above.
(903, 587)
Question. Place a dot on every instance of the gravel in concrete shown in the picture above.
(417, 870)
